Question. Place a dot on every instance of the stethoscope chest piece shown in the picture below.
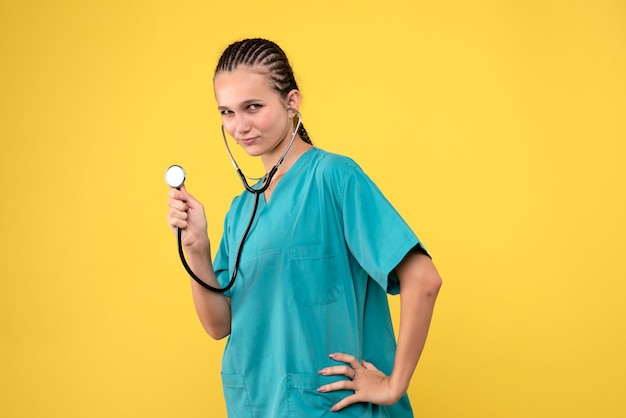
(175, 176)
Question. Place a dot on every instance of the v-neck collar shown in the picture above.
(287, 175)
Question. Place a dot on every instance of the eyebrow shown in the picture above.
(241, 105)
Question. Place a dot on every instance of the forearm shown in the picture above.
(419, 286)
(187, 219)
(213, 308)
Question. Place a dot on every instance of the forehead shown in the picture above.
(241, 84)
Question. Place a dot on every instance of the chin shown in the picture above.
(254, 151)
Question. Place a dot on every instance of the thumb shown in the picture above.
(191, 201)
(186, 196)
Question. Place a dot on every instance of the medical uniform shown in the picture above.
(312, 281)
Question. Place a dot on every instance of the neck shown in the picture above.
(298, 148)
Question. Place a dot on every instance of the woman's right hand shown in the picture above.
(187, 213)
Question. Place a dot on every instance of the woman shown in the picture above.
(309, 324)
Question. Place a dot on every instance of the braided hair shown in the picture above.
(265, 53)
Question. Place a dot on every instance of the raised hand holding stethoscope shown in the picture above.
(175, 177)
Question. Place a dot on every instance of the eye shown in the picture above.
(255, 106)
(225, 112)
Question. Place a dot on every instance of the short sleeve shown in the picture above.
(377, 236)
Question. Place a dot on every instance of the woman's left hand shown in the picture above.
(368, 383)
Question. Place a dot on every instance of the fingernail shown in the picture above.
(333, 355)
(323, 371)
(321, 389)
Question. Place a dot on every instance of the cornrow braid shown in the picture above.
(261, 52)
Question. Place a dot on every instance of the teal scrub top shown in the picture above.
(313, 280)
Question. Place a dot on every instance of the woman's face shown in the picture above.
(253, 113)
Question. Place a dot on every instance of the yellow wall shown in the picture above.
(497, 128)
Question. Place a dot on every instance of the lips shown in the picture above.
(247, 141)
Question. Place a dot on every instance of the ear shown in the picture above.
(293, 99)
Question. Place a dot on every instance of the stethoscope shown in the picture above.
(175, 177)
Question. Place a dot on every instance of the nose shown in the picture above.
(242, 125)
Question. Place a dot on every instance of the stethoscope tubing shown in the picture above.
(237, 259)
(257, 194)
(270, 175)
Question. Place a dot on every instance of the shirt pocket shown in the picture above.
(305, 401)
(236, 396)
(316, 272)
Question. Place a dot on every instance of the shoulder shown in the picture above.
(341, 177)
(331, 166)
